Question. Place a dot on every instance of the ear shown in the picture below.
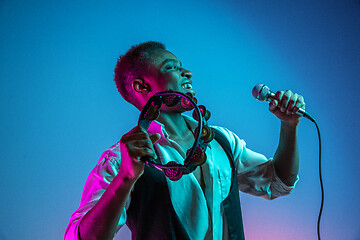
(140, 86)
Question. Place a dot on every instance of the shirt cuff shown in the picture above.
(278, 187)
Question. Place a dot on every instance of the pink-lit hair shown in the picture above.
(133, 64)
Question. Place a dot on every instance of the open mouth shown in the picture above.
(186, 85)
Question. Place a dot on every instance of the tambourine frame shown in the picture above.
(156, 101)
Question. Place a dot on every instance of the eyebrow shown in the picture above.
(170, 60)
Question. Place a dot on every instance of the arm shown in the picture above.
(101, 221)
(286, 158)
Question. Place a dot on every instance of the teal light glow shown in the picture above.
(60, 108)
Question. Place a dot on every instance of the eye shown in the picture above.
(172, 67)
(169, 67)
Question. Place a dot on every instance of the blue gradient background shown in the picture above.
(60, 109)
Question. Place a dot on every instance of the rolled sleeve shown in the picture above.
(261, 180)
(96, 184)
(256, 174)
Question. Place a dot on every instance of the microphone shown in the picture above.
(262, 92)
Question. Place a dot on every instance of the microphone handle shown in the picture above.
(300, 111)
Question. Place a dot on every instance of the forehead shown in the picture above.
(159, 56)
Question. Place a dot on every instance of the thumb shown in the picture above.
(273, 105)
(155, 137)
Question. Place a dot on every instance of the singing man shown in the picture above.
(204, 204)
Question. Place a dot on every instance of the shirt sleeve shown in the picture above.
(96, 184)
(256, 174)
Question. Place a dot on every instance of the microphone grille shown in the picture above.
(260, 92)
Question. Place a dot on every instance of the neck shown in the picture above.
(174, 123)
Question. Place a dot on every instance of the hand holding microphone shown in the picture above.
(284, 104)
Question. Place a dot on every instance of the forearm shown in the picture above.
(101, 221)
(286, 159)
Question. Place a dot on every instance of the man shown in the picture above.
(122, 189)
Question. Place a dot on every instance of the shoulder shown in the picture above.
(224, 131)
(233, 139)
(110, 158)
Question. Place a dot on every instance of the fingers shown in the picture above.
(287, 102)
(284, 98)
(139, 144)
(273, 105)
(134, 136)
(300, 103)
(155, 137)
(139, 152)
(291, 103)
(137, 129)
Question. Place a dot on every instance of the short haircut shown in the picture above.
(132, 65)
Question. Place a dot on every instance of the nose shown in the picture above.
(186, 73)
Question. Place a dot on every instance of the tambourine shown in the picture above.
(195, 156)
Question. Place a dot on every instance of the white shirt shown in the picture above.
(199, 211)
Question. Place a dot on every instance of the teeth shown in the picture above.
(187, 86)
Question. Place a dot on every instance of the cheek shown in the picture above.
(172, 78)
(167, 81)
